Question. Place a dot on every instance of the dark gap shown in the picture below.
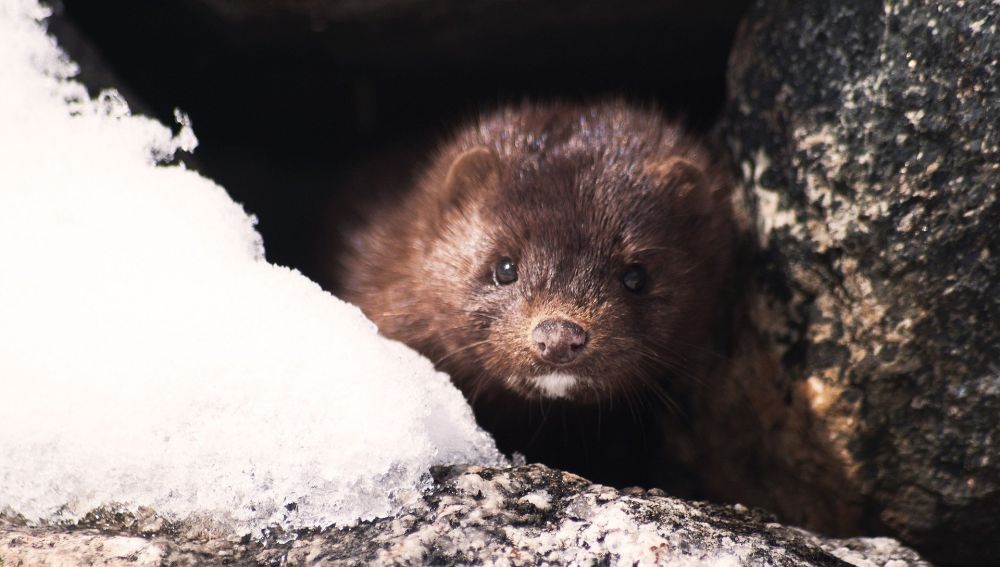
(286, 103)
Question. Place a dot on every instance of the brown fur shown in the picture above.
(575, 194)
(686, 390)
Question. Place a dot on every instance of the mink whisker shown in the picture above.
(460, 349)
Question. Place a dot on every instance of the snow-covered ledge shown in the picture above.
(528, 515)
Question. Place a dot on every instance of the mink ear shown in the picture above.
(475, 167)
(684, 180)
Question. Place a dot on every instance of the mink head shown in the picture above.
(561, 252)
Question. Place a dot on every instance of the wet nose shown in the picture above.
(559, 341)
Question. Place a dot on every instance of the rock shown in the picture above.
(520, 516)
(868, 135)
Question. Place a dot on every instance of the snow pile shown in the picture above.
(148, 353)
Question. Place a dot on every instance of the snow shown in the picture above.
(149, 355)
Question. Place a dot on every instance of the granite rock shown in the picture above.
(527, 515)
(868, 136)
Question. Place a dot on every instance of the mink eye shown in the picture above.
(634, 278)
(505, 271)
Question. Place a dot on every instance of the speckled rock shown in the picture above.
(529, 515)
(868, 135)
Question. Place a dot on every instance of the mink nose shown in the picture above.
(559, 341)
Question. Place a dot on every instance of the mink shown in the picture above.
(566, 264)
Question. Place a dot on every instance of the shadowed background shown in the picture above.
(287, 97)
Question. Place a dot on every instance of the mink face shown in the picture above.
(572, 252)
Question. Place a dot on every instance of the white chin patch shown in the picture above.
(555, 384)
